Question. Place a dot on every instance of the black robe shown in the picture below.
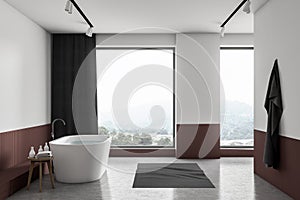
(273, 106)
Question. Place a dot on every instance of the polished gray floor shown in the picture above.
(233, 178)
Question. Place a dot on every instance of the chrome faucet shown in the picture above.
(52, 129)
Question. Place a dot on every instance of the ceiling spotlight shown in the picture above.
(89, 32)
(223, 31)
(247, 8)
(69, 7)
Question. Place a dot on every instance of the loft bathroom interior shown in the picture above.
(138, 99)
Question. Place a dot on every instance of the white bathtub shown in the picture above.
(80, 158)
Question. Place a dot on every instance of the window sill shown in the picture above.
(142, 152)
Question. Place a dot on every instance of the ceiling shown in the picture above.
(139, 16)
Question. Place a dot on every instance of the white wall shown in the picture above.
(24, 71)
(238, 40)
(276, 35)
(198, 79)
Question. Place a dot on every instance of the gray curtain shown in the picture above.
(73, 81)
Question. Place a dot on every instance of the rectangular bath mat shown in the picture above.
(170, 175)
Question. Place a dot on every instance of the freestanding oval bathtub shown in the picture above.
(80, 158)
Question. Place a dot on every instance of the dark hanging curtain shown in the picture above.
(273, 106)
(73, 78)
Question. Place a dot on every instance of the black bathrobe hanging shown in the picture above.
(273, 106)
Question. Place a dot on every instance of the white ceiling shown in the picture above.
(140, 16)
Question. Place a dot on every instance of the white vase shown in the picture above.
(31, 152)
(40, 149)
(46, 147)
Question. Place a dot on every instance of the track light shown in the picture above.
(89, 32)
(69, 7)
(247, 8)
(223, 31)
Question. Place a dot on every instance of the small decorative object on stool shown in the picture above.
(46, 147)
(31, 152)
(40, 149)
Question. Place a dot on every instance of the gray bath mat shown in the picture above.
(170, 175)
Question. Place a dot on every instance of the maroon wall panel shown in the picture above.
(192, 137)
(287, 178)
(231, 152)
(6, 152)
(4, 190)
(15, 145)
(14, 149)
(26, 138)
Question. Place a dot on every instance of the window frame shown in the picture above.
(229, 47)
(173, 48)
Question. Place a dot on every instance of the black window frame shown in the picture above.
(236, 48)
(174, 111)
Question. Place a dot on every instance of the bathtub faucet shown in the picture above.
(52, 130)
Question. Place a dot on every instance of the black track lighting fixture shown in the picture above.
(68, 8)
(246, 9)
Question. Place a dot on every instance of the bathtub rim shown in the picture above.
(55, 142)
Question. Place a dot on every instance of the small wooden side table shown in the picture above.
(40, 161)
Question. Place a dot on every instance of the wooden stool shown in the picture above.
(47, 160)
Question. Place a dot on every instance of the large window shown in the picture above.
(135, 96)
(237, 76)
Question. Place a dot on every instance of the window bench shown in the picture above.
(15, 178)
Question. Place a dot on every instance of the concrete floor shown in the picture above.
(232, 177)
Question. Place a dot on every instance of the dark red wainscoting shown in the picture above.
(237, 152)
(14, 148)
(287, 178)
(198, 141)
